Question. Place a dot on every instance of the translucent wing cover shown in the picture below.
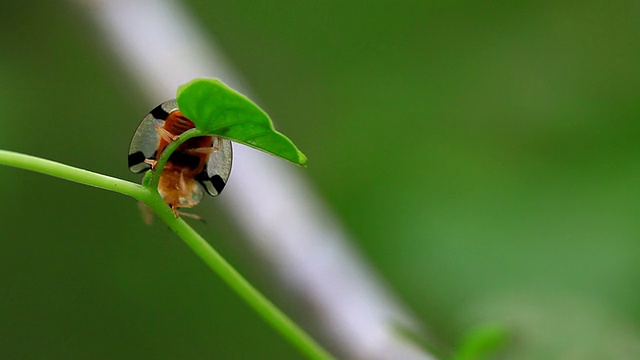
(145, 140)
(215, 175)
(144, 145)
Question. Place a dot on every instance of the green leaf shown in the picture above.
(482, 342)
(219, 110)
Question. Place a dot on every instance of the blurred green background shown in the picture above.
(484, 156)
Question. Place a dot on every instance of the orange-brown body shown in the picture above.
(177, 183)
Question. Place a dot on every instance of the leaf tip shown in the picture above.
(302, 159)
(216, 109)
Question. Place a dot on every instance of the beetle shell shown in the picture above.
(186, 172)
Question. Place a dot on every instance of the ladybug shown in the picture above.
(200, 164)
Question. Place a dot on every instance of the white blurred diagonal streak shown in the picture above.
(162, 47)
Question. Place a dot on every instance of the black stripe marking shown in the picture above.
(136, 162)
(159, 113)
(217, 183)
(213, 185)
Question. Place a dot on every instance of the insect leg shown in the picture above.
(202, 150)
(194, 216)
(151, 162)
(165, 134)
(206, 150)
(176, 213)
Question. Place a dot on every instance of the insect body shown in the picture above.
(200, 162)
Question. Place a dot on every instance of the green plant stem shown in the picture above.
(166, 153)
(66, 172)
(244, 289)
(278, 320)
